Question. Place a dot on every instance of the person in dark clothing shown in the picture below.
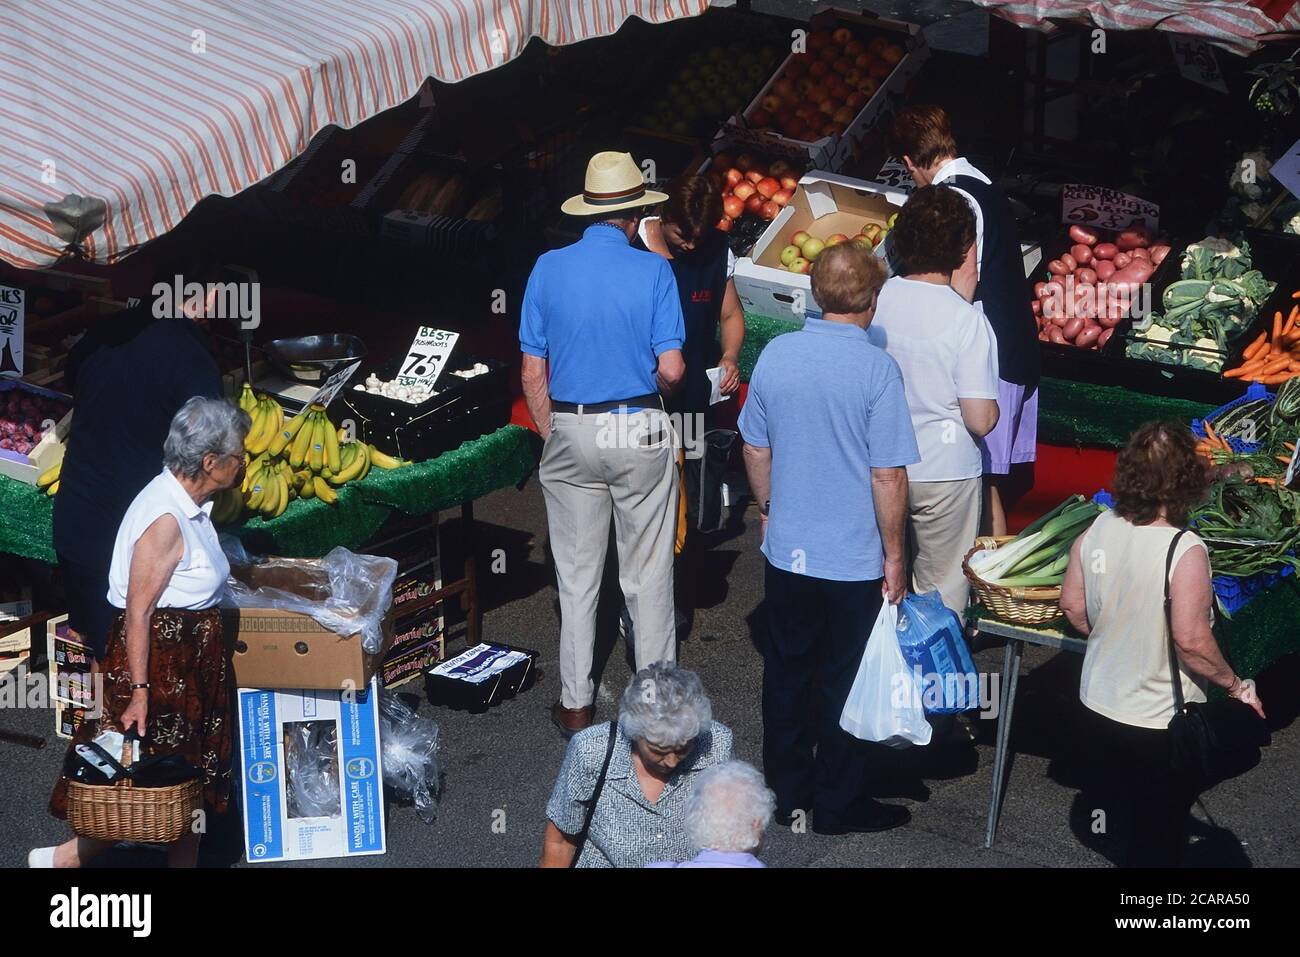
(922, 137)
(128, 376)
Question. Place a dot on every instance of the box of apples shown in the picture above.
(825, 97)
(751, 185)
(825, 209)
(34, 424)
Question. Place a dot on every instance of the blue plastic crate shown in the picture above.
(1235, 594)
(1254, 392)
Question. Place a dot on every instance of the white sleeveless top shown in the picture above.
(200, 578)
(1126, 667)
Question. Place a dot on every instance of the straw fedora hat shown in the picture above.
(613, 182)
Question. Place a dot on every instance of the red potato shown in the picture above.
(1082, 254)
(1038, 289)
(1069, 262)
(1138, 271)
(1104, 337)
(1158, 253)
(1109, 315)
(1081, 235)
(1121, 260)
(1057, 268)
(1054, 287)
(1085, 276)
(1037, 306)
(1055, 335)
(1072, 328)
(1133, 237)
(1105, 250)
(1140, 253)
(1105, 268)
(1088, 336)
(1043, 337)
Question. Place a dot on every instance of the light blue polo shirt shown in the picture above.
(602, 312)
(831, 406)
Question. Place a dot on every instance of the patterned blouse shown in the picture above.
(628, 830)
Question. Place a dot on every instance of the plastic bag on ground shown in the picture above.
(930, 637)
(410, 745)
(347, 593)
(884, 703)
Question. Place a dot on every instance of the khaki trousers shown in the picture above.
(595, 466)
(943, 522)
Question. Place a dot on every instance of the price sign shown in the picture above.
(1287, 169)
(1108, 208)
(427, 356)
(1196, 62)
(13, 305)
(894, 174)
(333, 385)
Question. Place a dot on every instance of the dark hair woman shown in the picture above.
(1114, 594)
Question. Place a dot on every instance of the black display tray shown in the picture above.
(470, 696)
(463, 410)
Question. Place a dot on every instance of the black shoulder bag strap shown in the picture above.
(595, 794)
(1174, 673)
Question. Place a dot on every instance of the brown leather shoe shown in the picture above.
(572, 720)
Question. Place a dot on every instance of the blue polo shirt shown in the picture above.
(831, 406)
(601, 312)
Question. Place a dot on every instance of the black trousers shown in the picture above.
(1147, 807)
(817, 632)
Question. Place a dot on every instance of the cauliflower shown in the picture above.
(1292, 225)
(1253, 167)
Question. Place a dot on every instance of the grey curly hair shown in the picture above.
(204, 426)
(729, 808)
(664, 706)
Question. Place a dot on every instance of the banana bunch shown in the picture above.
(49, 479)
(306, 457)
(268, 420)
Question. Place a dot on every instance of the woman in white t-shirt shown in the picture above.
(948, 355)
(1114, 594)
(165, 671)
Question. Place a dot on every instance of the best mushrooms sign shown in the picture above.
(12, 307)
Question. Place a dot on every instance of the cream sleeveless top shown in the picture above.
(1126, 667)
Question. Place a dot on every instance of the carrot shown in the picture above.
(1264, 480)
(1296, 294)
(1289, 445)
(1275, 379)
(1254, 347)
(1283, 458)
(1290, 320)
(1236, 373)
(1276, 364)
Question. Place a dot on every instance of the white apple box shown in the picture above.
(48, 452)
(822, 205)
(832, 152)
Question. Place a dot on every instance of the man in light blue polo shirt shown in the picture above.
(601, 335)
(828, 436)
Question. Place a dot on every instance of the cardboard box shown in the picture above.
(411, 662)
(415, 587)
(48, 452)
(274, 828)
(832, 152)
(419, 628)
(274, 648)
(823, 204)
(72, 690)
(481, 677)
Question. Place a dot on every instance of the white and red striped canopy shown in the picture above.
(1236, 25)
(118, 116)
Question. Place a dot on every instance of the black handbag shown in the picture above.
(590, 803)
(704, 479)
(1209, 741)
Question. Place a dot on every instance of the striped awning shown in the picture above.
(119, 116)
(1237, 25)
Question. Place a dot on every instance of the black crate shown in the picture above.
(461, 693)
(464, 410)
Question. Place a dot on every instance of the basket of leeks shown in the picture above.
(1017, 578)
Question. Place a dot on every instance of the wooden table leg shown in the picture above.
(469, 597)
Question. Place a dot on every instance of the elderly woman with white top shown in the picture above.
(726, 817)
(1114, 593)
(166, 674)
(621, 795)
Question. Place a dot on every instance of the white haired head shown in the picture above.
(200, 428)
(729, 808)
(664, 706)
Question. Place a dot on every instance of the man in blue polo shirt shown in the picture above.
(601, 335)
(828, 437)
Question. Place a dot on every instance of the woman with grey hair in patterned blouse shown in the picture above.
(665, 735)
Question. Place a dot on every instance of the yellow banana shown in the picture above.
(305, 487)
(323, 491)
(247, 401)
(364, 451)
(271, 501)
(383, 461)
(316, 457)
(53, 490)
(257, 493)
(352, 465)
(331, 439)
(258, 419)
(284, 494)
(302, 441)
(286, 434)
(50, 475)
(260, 435)
(343, 436)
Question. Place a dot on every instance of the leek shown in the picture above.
(1043, 519)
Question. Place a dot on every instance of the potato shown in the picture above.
(1140, 253)
(1038, 294)
(1037, 306)
(1089, 335)
(1105, 269)
(1104, 338)
(1056, 336)
(1133, 237)
(1158, 253)
(1081, 235)
(1073, 327)
(1069, 262)
(1121, 260)
(1057, 268)
(1082, 254)
(1105, 250)
(1085, 276)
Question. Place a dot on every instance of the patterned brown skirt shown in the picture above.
(189, 697)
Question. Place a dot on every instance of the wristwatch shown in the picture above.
(765, 508)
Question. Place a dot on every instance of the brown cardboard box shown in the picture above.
(286, 650)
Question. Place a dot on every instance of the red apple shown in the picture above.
(817, 93)
(733, 206)
(724, 224)
(844, 115)
(827, 107)
(784, 88)
(842, 36)
(754, 175)
(800, 265)
(754, 204)
(799, 238)
(771, 103)
(744, 191)
(767, 187)
(836, 238)
(733, 176)
(789, 182)
(876, 44)
(782, 196)
(854, 77)
(862, 60)
(769, 210)
(856, 100)
(853, 48)
(892, 54)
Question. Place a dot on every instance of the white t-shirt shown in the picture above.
(946, 349)
(200, 578)
(1126, 673)
(961, 167)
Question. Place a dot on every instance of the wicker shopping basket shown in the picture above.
(122, 812)
(1020, 606)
